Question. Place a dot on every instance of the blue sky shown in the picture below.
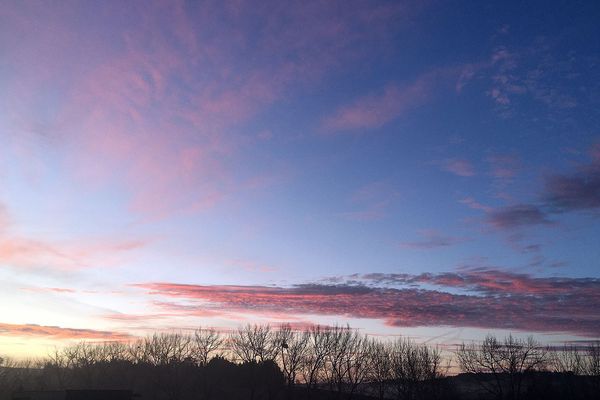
(272, 157)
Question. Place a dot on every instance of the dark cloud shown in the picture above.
(517, 215)
(494, 282)
(578, 191)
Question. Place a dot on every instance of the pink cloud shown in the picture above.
(459, 167)
(376, 110)
(393, 101)
(154, 110)
(22, 252)
(466, 75)
(49, 289)
(56, 332)
(491, 299)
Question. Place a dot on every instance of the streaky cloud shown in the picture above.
(394, 100)
(57, 332)
(482, 298)
(432, 239)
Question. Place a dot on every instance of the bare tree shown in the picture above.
(14, 374)
(206, 342)
(58, 363)
(335, 368)
(5, 364)
(254, 343)
(506, 361)
(519, 357)
(592, 365)
(357, 362)
(415, 369)
(405, 368)
(483, 359)
(568, 359)
(578, 360)
(432, 371)
(113, 351)
(293, 349)
(167, 348)
(346, 364)
(136, 352)
(81, 357)
(171, 354)
(570, 363)
(319, 344)
(380, 366)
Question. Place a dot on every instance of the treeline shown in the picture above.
(261, 362)
(515, 369)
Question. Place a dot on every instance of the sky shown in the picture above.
(420, 168)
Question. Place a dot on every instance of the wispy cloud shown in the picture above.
(392, 101)
(474, 204)
(49, 289)
(504, 166)
(432, 239)
(376, 110)
(459, 167)
(40, 253)
(251, 265)
(371, 202)
(537, 73)
(160, 106)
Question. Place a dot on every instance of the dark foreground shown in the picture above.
(221, 379)
(319, 363)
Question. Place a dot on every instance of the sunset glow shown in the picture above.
(406, 167)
